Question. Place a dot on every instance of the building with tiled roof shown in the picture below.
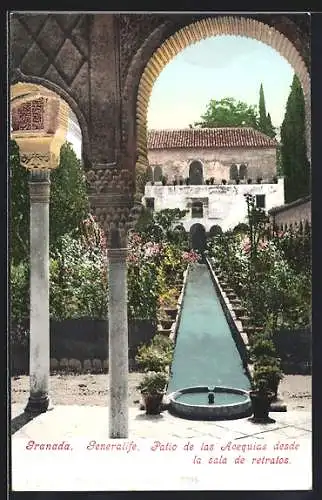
(207, 171)
(209, 138)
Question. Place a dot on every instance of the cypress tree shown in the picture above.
(262, 111)
(295, 164)
(270, 129)
(69, 204)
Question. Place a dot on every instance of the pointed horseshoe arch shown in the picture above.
(205, 28)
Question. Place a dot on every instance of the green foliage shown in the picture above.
(273, 282)
(160, 226)
(265, 123)
(295, 164)
(20, 207)
(229, 112)
(68, 196)
(78, 280)
(150, 358)
(262, 347)
(155, 356)
(68, 200)
(19, 291)
(153, 382)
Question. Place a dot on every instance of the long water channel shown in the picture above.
(205, 353)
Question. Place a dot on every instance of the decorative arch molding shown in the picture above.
(192, 33)
(45, 87)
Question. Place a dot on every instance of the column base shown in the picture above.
(37, 405)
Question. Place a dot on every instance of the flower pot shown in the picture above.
(166, 323)
(152, 403)
(164, 332)
(171, 312)
(261, 403)
(239, 311)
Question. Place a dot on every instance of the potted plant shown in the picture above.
(269, 367)
(152, 389)
(152, 358)
(263, 346)
(261, 397)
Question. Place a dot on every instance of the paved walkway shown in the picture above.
(90, 470)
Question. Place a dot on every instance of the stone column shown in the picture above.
(39, 188)
(118, 343)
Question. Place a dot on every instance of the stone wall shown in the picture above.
(292, 213)
(83, 340)
(261, 162)
(222, 205)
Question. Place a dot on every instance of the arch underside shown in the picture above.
(205, 28)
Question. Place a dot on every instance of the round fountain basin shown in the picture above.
(192, 403)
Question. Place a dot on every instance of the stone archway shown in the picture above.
(197, 237)
(196, 173)
(168, 48)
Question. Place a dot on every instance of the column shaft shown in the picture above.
(39, 295)
(118, 343)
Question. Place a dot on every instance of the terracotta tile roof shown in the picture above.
(227, 137)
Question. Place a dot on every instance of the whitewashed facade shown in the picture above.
(222, 205)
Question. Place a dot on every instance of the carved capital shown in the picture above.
(39, 161)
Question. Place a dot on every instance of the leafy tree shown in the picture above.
(295, 164)
(68, 200)
(19, 213)
(229, 112)
(68, 197)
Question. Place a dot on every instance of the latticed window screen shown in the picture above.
(29, 115)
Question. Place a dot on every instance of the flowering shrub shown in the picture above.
(272, 276)
(78, 276)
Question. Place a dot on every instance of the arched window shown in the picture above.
(198, 239)
(149, 174)
(233, 172)
(243, 171)
(196, 173)
(215, 231)
(157, 174)
(197, 209)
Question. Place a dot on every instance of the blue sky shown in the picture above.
(221, 66)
